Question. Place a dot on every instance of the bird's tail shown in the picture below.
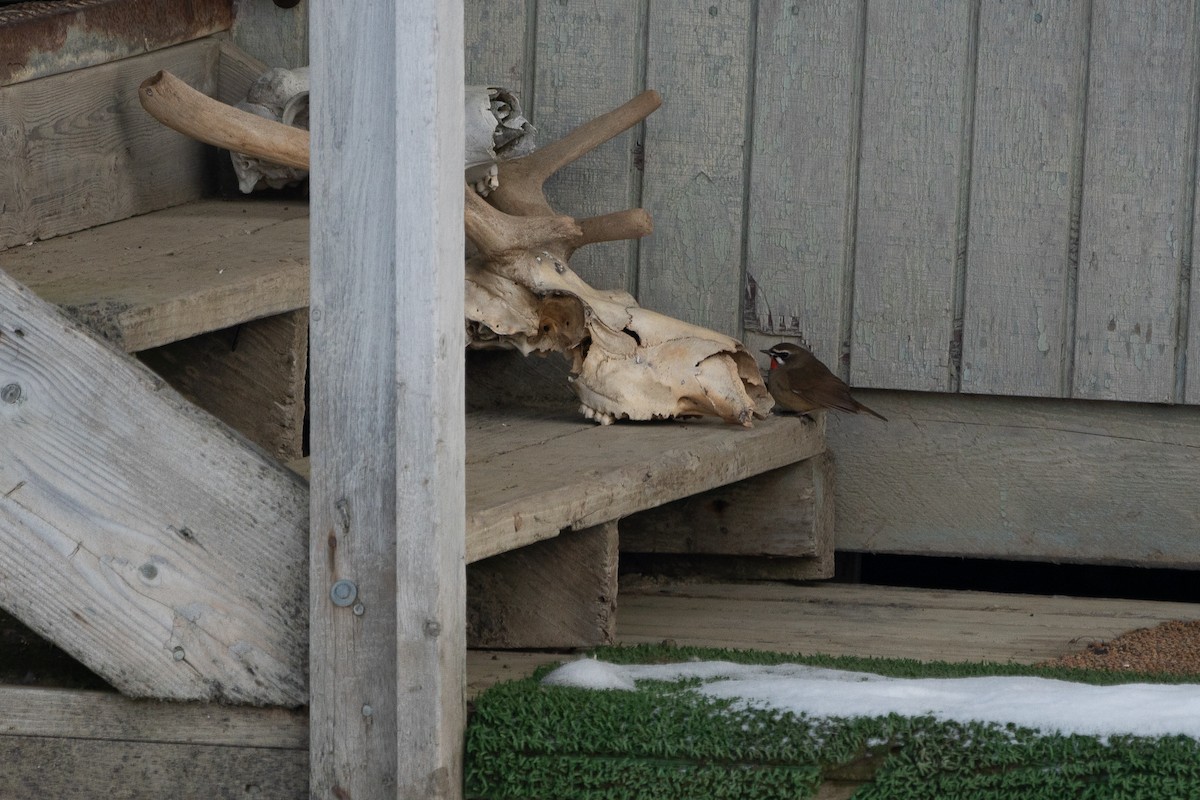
(860, 408)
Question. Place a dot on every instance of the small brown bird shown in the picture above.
(800, 382)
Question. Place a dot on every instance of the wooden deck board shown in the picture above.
(176, 273)
(578, 474)
(534, 473)
(842, 619)
(853, 619)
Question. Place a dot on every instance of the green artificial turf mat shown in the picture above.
(526, 740)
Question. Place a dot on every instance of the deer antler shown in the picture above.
(628, 362)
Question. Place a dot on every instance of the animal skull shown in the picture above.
(627, 362)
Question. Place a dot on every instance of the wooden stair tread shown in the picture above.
(176, 273)
(534, 473)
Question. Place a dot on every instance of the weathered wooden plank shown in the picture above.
(783, 512)
(698, 58)
(530, 474)
(1190, 363)
(1028, 134)
(176, 273)
(276, 36)
(589, 60)
(1020, 478)
(915, 84)
(486, 668)
(43, 39)
(803, 177)
(1141, 104)
(387, 705)
(495, 46)
(251, 377)
(90, 153)
(692, 567)
(555, 594)
(237, 70)
(137, 533)
(71, 769)
(853, 619)
(566, 476)
(841, 619)
(63, 713)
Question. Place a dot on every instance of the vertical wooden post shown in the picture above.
(387, 572)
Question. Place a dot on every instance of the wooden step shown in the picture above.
(174, 274)
(532, 473)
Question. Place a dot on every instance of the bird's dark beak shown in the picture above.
(765, 352)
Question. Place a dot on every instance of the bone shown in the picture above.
(627, 362)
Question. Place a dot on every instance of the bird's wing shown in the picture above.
(828, 396)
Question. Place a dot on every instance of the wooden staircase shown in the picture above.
(152, 371)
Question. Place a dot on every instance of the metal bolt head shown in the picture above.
(343, 592)
(11, 393)
(177, 654)
(359, 609)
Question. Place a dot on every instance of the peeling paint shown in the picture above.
(41, 39)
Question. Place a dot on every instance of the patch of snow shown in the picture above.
(1040, 703)
(588, 673)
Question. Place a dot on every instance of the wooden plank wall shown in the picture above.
(982, 197)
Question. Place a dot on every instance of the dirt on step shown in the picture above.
(1170, 647)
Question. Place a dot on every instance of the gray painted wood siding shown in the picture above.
(985, 197)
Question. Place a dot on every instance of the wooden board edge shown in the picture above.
(90, 714)
(53, 38)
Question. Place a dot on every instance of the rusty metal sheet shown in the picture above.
(46, 38)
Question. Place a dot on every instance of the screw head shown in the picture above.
(177, 654)
(359, 609)
(343, 592)
(11, 393)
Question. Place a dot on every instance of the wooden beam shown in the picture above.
(138, 533)
(779, 513)
(44, 39)
(1017, 478)
(774, 527)
(107, 716)
(73, 745)
(387, 670)
(90, 154)
(251, 377)
(237, 71)
(880, 621)
(558, 593)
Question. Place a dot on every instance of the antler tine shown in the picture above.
(633, 223)
(498, 235)
(521, 179)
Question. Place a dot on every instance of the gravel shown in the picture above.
(1170, 647)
